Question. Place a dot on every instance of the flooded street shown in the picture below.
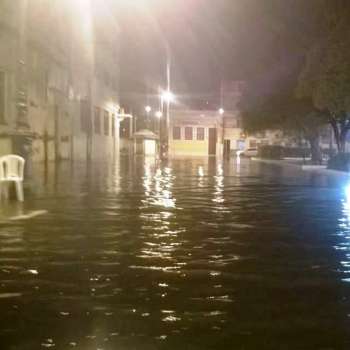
(186, 254)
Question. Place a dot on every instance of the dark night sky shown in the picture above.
(210, 41)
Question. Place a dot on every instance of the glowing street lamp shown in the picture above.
(168, 96)
(221, 111)
(159, 114)
(148, 109)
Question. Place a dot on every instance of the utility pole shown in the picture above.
(164, 137)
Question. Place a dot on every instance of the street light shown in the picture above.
(221, 111)
(159, 114)
(148, 109)
(168, 96)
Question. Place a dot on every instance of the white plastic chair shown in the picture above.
(12, 170)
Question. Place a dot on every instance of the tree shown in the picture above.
(284, 111)
(305, 83)
(325, 78)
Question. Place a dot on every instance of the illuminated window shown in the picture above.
(177, 133)
(2, 98)
(200, 134)
(188, 133)
(106, 123)
(97, 121)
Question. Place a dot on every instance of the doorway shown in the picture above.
(212, 141)
(227, 148)
(150, 148)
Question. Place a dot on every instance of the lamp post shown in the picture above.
(225, 147)
(158, 115)
(148, 110)
(166, 98)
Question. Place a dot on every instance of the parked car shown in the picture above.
(250, 152)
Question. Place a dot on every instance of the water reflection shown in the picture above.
(200, 176)
(158, 184)
(157, 213)
(219, 188)
(344, 233)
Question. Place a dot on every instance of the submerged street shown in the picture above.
(185, 254)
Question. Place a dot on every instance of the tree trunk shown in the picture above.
(340, 134)
(335, 128)
(316, 154)
(342, 140)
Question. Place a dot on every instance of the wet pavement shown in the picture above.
(188, 254)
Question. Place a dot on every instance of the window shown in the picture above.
(177, 133)
(188, 133)
(2, 98)
(200, 134)
(45, 86)
(125, 128)
(261, 134)
(84, 115)
(253, 144)
(97, 121)
(113, 125)
(106, 123)
(107, 78)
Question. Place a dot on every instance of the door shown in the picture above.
(57, 133)
(212, 141)
(227, 148)
(150, 147)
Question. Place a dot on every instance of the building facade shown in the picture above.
(59, 77)
(195, 133)
(209, 133)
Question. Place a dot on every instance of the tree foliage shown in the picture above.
(316, 90)
(284, 111)
(325, 79)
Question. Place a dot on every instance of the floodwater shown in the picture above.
(187, 254)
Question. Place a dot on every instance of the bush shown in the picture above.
(296, 152)
(271, 152)
(329, 152)
(340, 162)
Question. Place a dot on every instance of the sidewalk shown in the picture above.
(298, 163)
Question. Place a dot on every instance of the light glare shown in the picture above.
(168, 96)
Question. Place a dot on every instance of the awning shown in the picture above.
(146, 135)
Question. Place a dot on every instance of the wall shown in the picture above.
(60, 72)
(8, 48)
(188, 148)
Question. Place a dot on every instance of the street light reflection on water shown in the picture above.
(161, 180)
(219, 185)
